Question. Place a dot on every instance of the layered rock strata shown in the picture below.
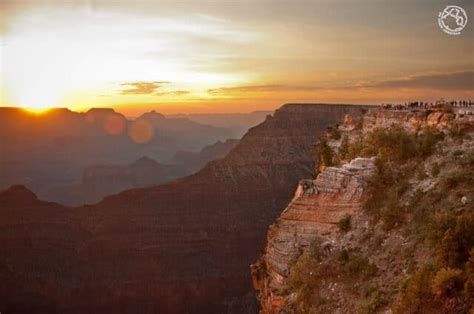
(318, 205)
(312, 216)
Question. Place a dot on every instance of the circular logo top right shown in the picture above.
(452, 19)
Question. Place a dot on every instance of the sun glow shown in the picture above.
(75, 59)
(36, 100)
(37, 110)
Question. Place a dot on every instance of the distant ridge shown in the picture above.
(180, 247)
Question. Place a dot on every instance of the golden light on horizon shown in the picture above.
(38, 110)
(221, 58)
(36, 101)
(82, 58)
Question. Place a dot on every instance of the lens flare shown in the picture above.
(114, 124)
(141, 131)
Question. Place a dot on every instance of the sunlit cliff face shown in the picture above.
(227, 57)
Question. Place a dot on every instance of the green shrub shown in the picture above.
(386, 205)
(358, 267)
(335, 134)
(378, 241)
(438, 224)
(305, 277)
(401, 186)
(344, 148)
(344, 223)
(392, 144)
(325, 154)
(373, 303)
(456, 178)
(467, 159)
(383, 179)
(355, 149)
(430, 137)
(392, 213)
(457, 242)
(435, 169)
(469, 285)
(447, 282)
(303, 274)
(343, 256)
(457, 153)
(416, 295)
(420, 173)
(395, 144)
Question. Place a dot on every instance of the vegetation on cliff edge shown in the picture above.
(422, 192)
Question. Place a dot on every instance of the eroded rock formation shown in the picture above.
(312, 215)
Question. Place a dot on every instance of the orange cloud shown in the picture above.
(442, 81)
(142, 88)
(173, 93)
(261, 89)
(452, 81)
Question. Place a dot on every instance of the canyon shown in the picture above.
(180, 247)
(99, 181)
(49, 151)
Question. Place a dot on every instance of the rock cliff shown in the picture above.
(351, 236)
(312, 216)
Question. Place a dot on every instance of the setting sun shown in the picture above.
(37, 103)
(37, 110)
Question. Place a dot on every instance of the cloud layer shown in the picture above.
(453, 81)
(142, 88)
(463, 81)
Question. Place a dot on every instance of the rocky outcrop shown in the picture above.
(311, 216)
(414, 120)
(182, 247)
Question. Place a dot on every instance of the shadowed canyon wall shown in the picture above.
(48, 152)
(180, 247)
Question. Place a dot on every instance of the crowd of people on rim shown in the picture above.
(429, 105)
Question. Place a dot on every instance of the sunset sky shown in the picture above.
(229, 56)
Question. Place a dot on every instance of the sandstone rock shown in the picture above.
(412, 120)
(311, 216)
(318, 205)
